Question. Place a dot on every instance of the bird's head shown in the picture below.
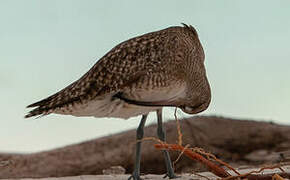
(198, 97)
(198, 92)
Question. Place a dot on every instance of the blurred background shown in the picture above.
(46, 45)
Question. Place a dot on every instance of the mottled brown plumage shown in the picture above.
(140, 75)
(159, 61)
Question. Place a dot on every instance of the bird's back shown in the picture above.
(144, 68)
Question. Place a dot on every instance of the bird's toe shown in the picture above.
(172, 176)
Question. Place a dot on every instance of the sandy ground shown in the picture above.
(157, 177)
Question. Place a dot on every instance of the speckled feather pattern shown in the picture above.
(168, 58)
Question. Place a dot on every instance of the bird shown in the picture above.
(164, 68)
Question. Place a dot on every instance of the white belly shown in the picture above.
(106, 108)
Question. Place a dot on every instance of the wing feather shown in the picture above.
(119, 68)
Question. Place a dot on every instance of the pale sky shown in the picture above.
(46, 45)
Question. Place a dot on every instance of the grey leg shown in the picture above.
(161, 136)
(140, 133)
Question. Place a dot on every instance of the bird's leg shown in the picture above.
(140, 133)
(162, 137)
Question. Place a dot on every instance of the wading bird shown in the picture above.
(140, 75)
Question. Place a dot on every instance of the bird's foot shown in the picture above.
(135, 176)
(171, 176)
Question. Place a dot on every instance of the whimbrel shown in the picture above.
(140, 75)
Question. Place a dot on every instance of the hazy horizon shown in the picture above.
(46, 45)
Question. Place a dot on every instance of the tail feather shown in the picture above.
(50, 104)
(37, 112)
(41, 107)
(40, 103)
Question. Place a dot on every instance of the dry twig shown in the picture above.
(195, 156)
(178, 128)
(198, 154)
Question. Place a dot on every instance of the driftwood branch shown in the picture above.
(237, 142)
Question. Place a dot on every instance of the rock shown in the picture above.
(264, 156)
